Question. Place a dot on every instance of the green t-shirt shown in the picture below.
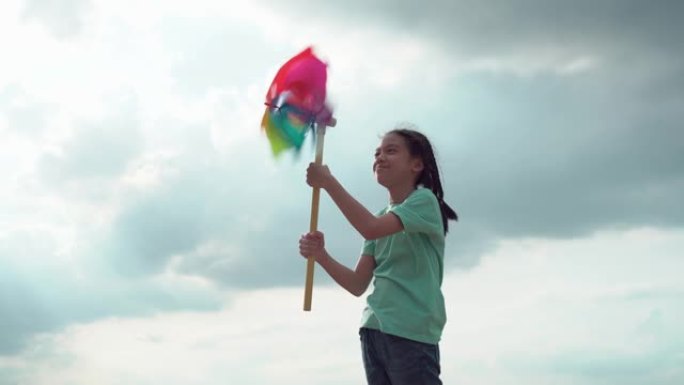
(407, 298)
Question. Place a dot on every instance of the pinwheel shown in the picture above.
(295, 105)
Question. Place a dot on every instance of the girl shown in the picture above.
(403, 253)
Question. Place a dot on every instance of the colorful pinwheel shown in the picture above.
(295, 104)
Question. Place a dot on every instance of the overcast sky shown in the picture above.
(148, 236)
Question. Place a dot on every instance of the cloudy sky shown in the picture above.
(148, 236)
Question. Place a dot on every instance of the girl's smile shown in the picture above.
(393, 163)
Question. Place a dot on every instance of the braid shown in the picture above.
(420, 146)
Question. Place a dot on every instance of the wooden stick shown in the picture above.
(311, 261)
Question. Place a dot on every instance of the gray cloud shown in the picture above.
(39, 294)
(503, 27)
(555, 161)
(547, 153)
(99, 149)
(63, 18)
(543, 155)
(262, 257)
(564, 154)
(538, 154)
(21, 316)
(44, 297)
(172, 220)
(228, 225)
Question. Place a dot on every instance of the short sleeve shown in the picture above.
(368, 247)
(420, 213)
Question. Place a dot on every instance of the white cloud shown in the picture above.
(534, 311)
(263, 338)
(587, 305)
(187, 186)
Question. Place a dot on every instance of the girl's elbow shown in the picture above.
(378, 229)
(369, 236)
(361, 288)
(368, 229)
(358, 292)
(371, 233)
(354, 291)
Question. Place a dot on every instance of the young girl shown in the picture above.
(403, 253)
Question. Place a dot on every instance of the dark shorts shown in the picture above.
(392, 360)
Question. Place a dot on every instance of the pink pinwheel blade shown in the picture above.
(303, 77)
(296, 100)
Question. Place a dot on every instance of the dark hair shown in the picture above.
(419, 146)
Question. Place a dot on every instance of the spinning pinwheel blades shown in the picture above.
(296, 105)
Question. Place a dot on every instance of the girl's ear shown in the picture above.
(417, 165)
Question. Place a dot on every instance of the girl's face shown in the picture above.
(394, 164)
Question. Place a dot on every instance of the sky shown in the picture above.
(147, 234)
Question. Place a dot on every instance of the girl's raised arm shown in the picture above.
(368, 225)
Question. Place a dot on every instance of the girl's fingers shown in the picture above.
(311, 243)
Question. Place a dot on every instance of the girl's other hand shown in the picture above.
(312, 245)
(318, 175)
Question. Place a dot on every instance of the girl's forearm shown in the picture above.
(353, 281)
(359, 217)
